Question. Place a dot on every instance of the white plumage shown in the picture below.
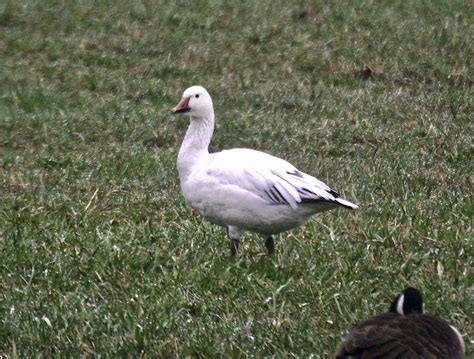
(243, 189)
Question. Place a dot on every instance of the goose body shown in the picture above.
(404, 332)
(243, 189)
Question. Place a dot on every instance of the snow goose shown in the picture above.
(404, 332)
(243, 189)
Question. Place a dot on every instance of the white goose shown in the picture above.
(243, 189)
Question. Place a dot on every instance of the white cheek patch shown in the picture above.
(400, 304)
(461, 340)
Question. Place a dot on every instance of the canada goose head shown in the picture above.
(196, 102)
(409, 301)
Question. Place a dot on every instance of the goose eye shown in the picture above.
(197, 96)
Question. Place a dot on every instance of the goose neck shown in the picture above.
(195, 145)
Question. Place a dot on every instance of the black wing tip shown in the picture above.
(317, 200)
(337, 201)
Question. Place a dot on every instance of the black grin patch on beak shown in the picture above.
(183, 110)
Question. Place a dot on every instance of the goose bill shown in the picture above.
(182, 106)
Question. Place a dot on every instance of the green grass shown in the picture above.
(99, 254)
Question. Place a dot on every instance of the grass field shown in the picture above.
(99, 254)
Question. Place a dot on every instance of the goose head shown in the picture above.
(196, 102)
(409, 301)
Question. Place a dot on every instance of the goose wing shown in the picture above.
(270, 178)
(401, 336)
(377, 340)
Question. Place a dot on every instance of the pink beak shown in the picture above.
(182, 106)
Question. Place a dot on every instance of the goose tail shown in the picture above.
(346, 203)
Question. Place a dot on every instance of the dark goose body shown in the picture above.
(396, 335)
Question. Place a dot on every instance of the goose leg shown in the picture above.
(234, 235)
(234, 247)
(270, 244)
